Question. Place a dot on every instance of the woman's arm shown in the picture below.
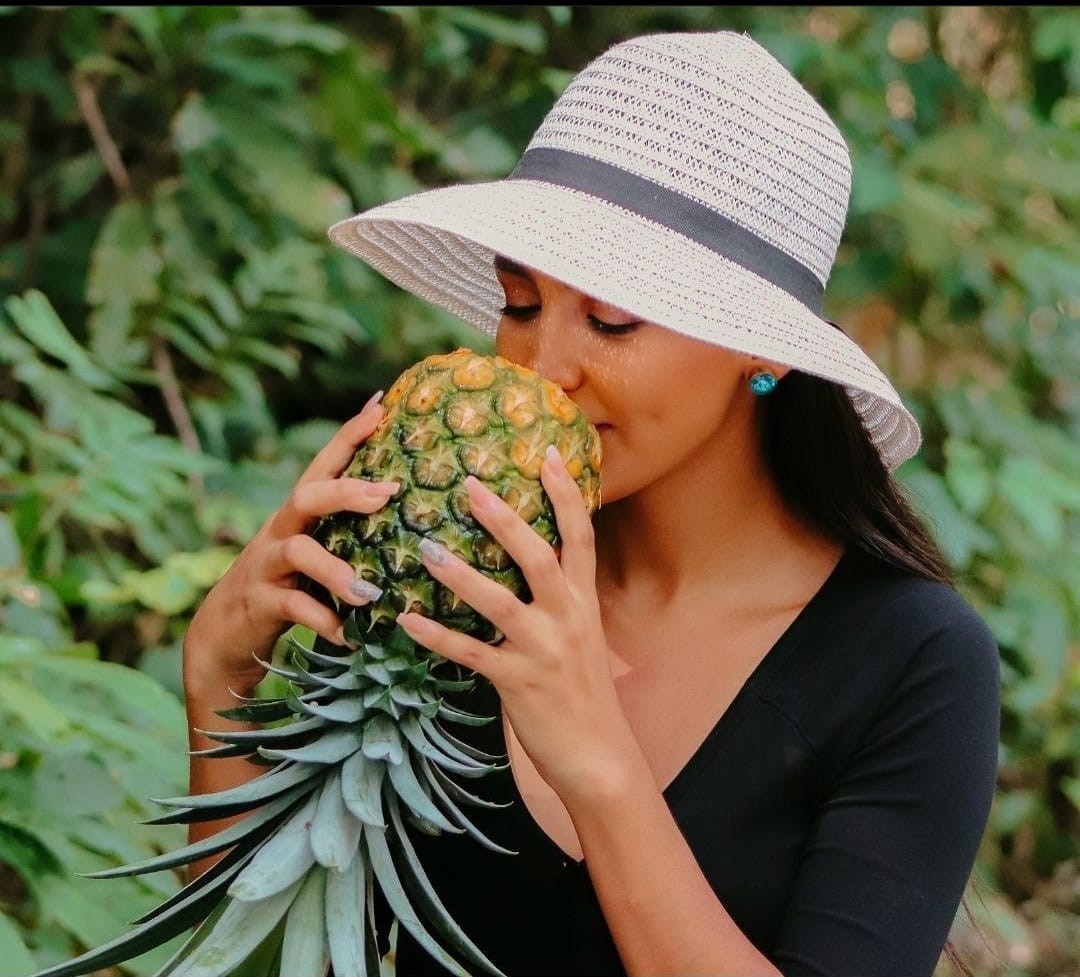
(242, 617)
(206, 692)
(662, 913)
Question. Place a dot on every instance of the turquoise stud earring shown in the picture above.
(763, 383)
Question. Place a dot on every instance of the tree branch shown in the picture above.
(174, 403)
(86, 96)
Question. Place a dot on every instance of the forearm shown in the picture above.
(662, 912)
(206, 691)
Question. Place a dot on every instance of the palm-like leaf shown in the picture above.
(364, 759)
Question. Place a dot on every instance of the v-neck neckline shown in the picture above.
(725, 722)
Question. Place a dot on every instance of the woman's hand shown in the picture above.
(258, 597)
(553, 670)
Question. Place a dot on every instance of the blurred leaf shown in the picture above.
(520, 34)
(20, 702)
(936, 220)
(76, 178)
(959, 535)
(967, 475)
(125, 261)
(194, 125)
(17, 959)
(1058, 36)
(480, 153)
(281, 33)
(171, 588)
(1023, 482)
(1071, 788)
(874, 184)
(36, 319)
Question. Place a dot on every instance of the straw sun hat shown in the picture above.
(686, 178)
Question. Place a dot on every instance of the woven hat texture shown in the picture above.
(687, 178)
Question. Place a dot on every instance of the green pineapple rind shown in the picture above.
(434, 434)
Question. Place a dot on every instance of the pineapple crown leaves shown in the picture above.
(365, 758)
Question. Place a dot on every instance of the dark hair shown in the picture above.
(830, 473)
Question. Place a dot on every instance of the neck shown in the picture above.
(716, 522)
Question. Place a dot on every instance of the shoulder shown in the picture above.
(904, 613)
(876, 636)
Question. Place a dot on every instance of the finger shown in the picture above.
(578, 557)
(530, 551)
(486, 660)
(485, 596)
(297, 607)
(304, 554)
(321, 498)
(339, 450)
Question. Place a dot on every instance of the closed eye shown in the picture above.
(521, 312)
(613, 328)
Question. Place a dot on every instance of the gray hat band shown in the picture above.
(675, 211)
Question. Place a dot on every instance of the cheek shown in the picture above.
(503, 345)
(514, 343)
(675, 405)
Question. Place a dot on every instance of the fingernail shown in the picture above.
(365, 589)
(380, 488)
(413, 623)
(555, 458)
(479, 494)
(433, 552)
(373, 399)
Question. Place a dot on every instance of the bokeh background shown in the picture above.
(177, 339)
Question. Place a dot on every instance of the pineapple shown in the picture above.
(447, 417)
(359, 754)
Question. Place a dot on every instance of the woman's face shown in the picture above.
(659, 399)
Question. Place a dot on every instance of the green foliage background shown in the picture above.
(177, 338)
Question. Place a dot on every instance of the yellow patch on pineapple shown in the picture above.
(561, 407)
(468, 415)
(527, 454)
(520, 405)
(476, 374)
(425, 396)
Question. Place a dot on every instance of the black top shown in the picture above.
(836, 806)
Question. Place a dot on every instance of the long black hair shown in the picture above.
(830, 473)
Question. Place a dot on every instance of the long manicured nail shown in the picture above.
(414, 623)
(383, 488)
(480, 496)
(433, 552)
(372, 400)
(365, 589)
(555, 459)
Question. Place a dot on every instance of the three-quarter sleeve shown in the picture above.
(891, 851)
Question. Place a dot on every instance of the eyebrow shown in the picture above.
(511, 267)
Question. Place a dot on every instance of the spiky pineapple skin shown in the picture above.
(446, 417)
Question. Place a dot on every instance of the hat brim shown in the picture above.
(440, 245)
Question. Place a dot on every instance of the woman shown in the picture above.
(752, 728)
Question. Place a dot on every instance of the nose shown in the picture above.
(550, 346)
(555, 356)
